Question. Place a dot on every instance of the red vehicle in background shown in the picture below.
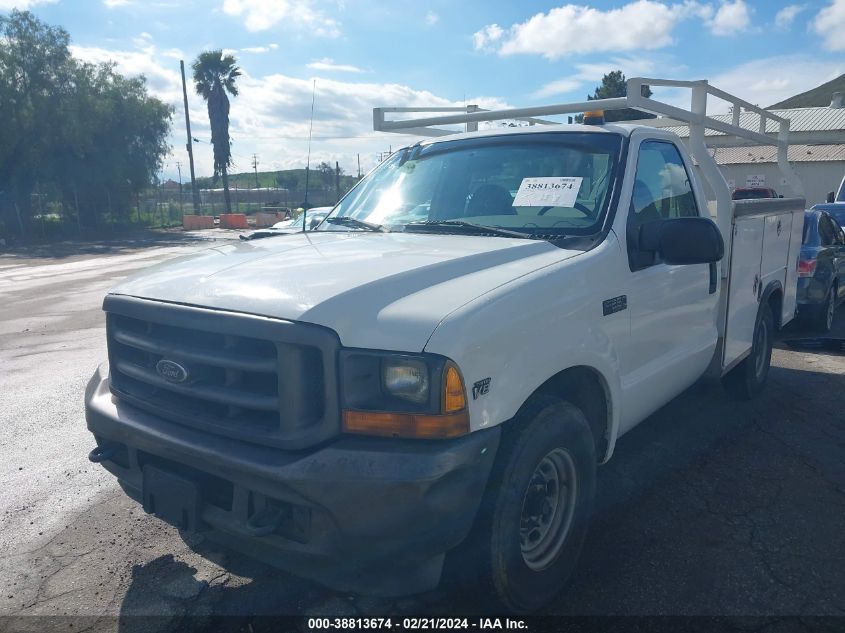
(754, 193)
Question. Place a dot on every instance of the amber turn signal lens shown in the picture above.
(454, 398)
(406, 424)
(594, 117)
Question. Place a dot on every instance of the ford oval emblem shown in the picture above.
(171, 371)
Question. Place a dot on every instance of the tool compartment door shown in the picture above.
(776, 234)
(743, 286)
(790, 289)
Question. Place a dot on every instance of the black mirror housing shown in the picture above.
(681, 241)
(830, 197)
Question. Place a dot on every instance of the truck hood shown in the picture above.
(377, 290)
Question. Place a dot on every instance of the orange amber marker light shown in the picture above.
(594, 117)
(406, 424)
(454, 398)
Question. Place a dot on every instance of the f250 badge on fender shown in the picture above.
(171, 371)
(480, 388)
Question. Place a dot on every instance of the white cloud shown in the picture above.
(111, 4)
(575, 29)
(732, 17)
(22, 5)
(830, 24)
(173, 53)
(431, 18)
(256, 49)
(260, 15)
(163, 80)
(786, 16)
(327, 64)
(588, 75)
(557, 87)
(487, 38)
(773, 79)
(271, 114)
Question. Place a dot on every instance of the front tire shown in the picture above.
(746, 380)
(536, 511)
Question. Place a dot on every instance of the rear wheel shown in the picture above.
(536, 511)
(746, 380)
(824, 319)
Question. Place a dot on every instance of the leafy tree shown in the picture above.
(75, 130)
(613, 85)
(214, 77)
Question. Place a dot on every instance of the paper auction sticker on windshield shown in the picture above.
(555, 191)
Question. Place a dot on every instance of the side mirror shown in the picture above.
(780, 195)
(682, 241)
(830, 197)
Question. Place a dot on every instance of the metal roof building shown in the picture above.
(817, 149)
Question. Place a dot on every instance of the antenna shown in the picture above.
(308, 161)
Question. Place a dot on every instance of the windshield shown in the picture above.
(540, 184)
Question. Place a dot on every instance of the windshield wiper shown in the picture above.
(347, 220)
(462, 225)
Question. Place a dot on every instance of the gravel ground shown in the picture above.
(708, 508)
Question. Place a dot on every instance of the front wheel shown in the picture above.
(746, 380)
(535, 514)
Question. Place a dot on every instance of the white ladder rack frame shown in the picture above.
(696, 117)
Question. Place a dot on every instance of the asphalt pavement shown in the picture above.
(710, 507)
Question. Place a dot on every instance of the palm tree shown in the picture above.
(214, 76)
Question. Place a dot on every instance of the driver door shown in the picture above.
(673, 307)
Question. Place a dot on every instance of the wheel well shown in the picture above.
(586, 389)
(775, 301)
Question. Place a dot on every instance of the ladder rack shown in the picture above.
(696, 117)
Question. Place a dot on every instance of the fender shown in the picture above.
(772, 287)
(511, 341)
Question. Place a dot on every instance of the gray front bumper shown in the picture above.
(373, 515)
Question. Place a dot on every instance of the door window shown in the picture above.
(838, 235)
(826, 231)
(662, 191)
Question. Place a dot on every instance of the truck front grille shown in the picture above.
(253, 378)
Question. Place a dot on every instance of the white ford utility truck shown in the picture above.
(437, 370)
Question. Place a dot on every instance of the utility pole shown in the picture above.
(255, 167)
(359, 166)
(195, 195)
(336, 181)
(179, 168)
(257, 186)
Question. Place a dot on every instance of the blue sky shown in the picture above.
(440, 52)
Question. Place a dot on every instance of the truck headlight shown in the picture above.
(405, 378)
(402, 395)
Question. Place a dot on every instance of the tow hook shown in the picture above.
(102, 453)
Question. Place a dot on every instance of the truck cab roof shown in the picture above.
(624, 129)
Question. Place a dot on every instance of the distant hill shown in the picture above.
(293, 179)
(817, 97)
